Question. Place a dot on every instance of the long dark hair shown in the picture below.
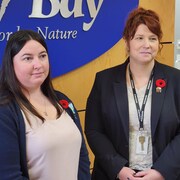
(10, 87)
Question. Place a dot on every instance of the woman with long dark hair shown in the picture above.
(40, 132)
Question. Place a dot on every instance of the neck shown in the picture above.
(140, 73)
(141, 70)
(33, 94)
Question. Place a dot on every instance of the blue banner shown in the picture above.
(76, 31)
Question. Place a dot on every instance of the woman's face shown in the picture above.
(144, 46)
(31, 65)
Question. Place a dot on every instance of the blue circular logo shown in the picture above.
(76, 31)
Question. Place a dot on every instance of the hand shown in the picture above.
(126, 173)
(151, 174)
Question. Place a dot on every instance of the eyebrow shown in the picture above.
(143, 35)
(43, 52)
(26, 54)
(29, 54)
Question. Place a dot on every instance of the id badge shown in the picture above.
(142, 142)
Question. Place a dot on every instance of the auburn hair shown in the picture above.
(142, 16)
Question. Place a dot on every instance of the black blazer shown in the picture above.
(107, 122)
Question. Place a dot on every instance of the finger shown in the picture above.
(141, 173)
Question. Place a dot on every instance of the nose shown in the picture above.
(146, 43)
(37, 63)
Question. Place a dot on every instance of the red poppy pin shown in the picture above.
(160, 83)
(64, 103)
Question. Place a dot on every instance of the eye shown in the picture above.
(153, 38)
(139, 38)
(43, 56)
(27, 58)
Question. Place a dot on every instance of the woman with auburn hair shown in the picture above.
(132, 121)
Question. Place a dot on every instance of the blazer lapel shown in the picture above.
(157, 98)
(120, 91)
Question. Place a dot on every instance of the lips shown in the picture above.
(38, 74)
(145, 52)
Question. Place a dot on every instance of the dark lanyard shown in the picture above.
(140, 112)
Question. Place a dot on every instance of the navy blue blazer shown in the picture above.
(107, 122)
(13, 163)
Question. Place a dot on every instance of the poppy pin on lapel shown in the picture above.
(160, 83)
